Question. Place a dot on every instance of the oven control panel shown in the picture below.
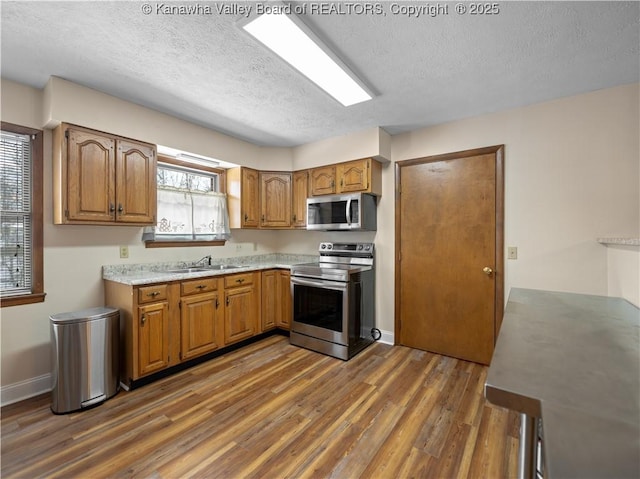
(354, 249)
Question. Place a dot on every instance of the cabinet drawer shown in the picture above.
(202, 285)
(148, 294)
(234, 280)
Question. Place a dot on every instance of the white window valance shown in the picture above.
(188, 215)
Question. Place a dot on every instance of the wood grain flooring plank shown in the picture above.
(271, 410)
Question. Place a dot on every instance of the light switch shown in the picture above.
(124, 251)
(512, 252)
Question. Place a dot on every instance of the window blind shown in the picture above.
(15, 214)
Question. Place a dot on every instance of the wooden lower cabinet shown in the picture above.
(242, 306)
(162, 325)
(200, 325)
(276, 299)
(153, 337)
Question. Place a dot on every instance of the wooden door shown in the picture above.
(90, 177)
(283, 320)
(275, 199)
(241, 314)
(201, 323)
(449, 274)
(136, 183)
(270, 299)
(323, 180)
(250, 196)
(153, 337)
(300, 195)
(353, 176)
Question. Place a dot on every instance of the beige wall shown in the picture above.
(572, 174)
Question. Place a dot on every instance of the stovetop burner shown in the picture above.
(337, 261)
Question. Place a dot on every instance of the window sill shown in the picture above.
(182, 244)
(22, 299)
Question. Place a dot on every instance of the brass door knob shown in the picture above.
(488, 271)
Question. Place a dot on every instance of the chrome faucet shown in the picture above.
(208, 258)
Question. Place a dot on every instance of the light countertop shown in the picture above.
(150, 273)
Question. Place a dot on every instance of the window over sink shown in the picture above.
(192, 208)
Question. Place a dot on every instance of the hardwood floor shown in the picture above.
(272, 410)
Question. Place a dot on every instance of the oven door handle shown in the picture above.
(319, 284)
(349, 211)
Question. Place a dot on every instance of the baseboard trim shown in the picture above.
(25, 389)
(388, 337)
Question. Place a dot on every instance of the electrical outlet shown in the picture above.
(512, 252)
(124, 251)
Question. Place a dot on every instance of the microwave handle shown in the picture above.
(349, 211)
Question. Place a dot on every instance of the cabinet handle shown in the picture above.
(217, 303)
(241, 280)
(262, 217)
(153, 294)
(120, 208)
(246, 217)
(201, 286)
(227, 301)
(341, 182)
(143, 319)
(112, 207)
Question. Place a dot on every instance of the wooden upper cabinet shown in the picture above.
(243, 196)
(323, 180)
(359, 176)
(136, 182)
(363, 175)
(275, 199)
(300, 195)
(100, 178)
(90, 177)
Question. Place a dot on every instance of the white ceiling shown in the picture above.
(425, 71)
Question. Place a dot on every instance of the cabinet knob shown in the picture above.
(143, 319)
(227, 301)
(112, 207)
(246, 217)
(120, 208)
(201, 286)
(217, 303)
(153, 294)
(294, 217)
(241, 280)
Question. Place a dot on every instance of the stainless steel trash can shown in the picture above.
(84, 347)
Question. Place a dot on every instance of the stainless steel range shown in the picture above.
(333, 300)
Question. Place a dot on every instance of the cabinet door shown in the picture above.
(201, 324)
(250, 195)
(283, 319)
(300, 194)
(275, 199)
(153, 337)
(90, 177)
(241, 314)
(323, 180)
(353, 176)
(136, 182)
(270, 299)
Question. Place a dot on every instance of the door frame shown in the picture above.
(498, 150)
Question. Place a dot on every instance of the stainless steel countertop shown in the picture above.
(573, 360)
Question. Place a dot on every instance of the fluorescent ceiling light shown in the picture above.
(287, 38)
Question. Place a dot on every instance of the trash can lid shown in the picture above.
(89, 314)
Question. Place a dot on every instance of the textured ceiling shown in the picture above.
(425, 70)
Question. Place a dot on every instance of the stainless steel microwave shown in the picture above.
(354, 211)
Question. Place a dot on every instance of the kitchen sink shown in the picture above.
(187, 270)
(224, 266)
(198, 269)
